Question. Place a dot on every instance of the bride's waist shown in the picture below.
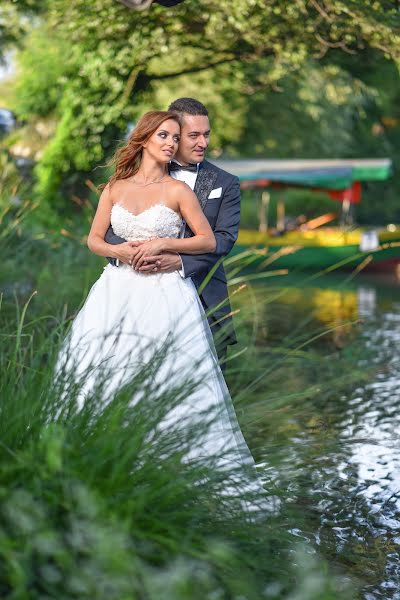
(128, 271)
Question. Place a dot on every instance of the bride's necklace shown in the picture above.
(149, 182)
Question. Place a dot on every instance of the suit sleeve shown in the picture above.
(112, 238)
(226, 231)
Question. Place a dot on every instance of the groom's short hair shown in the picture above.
(188, 106)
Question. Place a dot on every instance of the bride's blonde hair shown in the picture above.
(128, 158)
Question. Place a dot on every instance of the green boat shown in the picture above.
(314, 244)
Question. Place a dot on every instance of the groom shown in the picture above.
(219, 195)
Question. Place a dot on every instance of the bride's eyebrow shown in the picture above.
(165, 131)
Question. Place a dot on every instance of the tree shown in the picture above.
(116, 56)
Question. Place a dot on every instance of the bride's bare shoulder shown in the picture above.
(177, 188)
(116, 188)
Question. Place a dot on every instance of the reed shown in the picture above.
(98, 503)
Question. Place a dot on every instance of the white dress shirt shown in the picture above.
(190, 179)
(186, 176)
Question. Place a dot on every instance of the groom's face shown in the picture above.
(195, 137)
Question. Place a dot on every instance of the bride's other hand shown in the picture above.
(147, 249)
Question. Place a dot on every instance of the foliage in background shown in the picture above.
(9, 180)
(253, 63)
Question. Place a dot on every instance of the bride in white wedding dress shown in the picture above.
(129, 316)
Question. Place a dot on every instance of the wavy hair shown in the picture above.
(128, 158)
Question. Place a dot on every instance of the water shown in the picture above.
(338, 442)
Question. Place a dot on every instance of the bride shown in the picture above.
(131, 317)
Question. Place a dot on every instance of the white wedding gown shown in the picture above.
(128, 316)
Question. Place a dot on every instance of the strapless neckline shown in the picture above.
(153, 206)
(156, 221)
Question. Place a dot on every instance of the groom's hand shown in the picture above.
(167, 262)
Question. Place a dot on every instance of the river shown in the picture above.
(324, 421)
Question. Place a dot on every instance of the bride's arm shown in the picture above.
(201, 242)
(100, 224)
(203, 239)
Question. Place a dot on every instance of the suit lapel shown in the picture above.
(204, 184)
(202, 188)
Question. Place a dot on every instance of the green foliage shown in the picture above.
(10, 27)
(113, 55)
(311, 115)
(43, 74)
(9, 179)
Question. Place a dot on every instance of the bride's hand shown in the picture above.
(147, 249)
(126, 251)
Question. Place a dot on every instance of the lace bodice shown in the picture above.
(157, 221)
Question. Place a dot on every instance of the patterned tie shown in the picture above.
(174, 166)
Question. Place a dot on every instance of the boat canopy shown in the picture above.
(331, 174)
(328, 175)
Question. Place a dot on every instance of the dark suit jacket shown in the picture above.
(223, 214)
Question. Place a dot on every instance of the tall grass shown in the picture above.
(95, 504)
(98, 503)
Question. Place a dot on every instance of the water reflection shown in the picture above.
(340, 450)
(374, 410)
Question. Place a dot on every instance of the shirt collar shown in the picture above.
(178, 163)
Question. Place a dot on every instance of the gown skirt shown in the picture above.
(132, 321)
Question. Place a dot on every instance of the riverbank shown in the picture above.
(300, 364)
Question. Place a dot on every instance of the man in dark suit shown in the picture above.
(219, 196)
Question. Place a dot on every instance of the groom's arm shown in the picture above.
(226, 231)
(113, 238)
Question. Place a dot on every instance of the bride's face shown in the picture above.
(163, 144)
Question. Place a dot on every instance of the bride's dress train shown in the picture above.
(129, 317)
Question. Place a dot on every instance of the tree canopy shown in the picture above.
(93, 67)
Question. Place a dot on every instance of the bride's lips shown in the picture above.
(169, 152)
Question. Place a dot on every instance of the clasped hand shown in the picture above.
(145, 250)
(148, 256)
